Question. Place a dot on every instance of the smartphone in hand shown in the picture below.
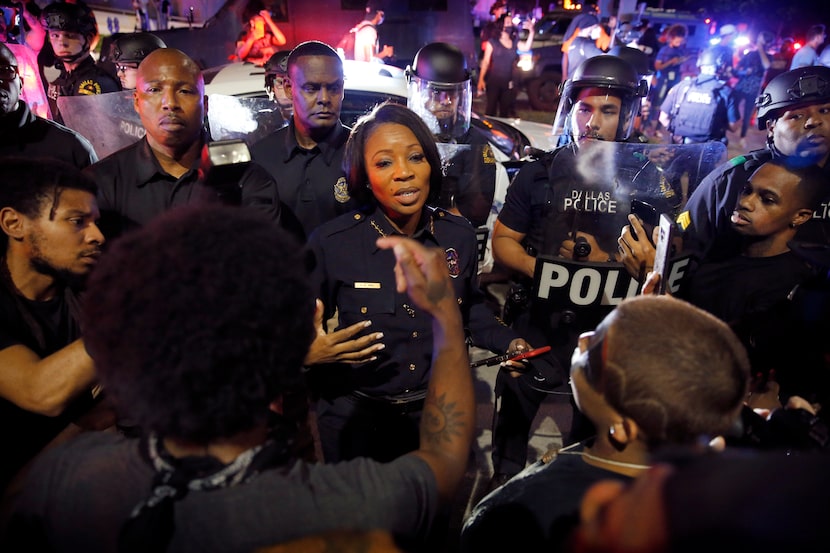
(663, 252)
(647, 214)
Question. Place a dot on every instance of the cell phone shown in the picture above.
(647, 214)
(664, 250)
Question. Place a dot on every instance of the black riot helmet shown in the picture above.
(71, 18)
(276, 72)
(440, 90)
(635, 57)
(799, 87)
(277, 65)
(611, 73)
(714, 61)
(134, 47)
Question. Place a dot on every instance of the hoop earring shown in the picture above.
(618, 445)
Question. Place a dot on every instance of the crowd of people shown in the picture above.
(177, 331)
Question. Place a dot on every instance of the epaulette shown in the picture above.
(441, 214)
(341, 224)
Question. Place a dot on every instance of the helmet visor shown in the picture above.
(444, 107)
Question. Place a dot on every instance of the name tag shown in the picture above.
(367, 285)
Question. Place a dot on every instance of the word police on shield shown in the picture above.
(562, 281)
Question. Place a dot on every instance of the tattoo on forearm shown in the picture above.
(441, 420)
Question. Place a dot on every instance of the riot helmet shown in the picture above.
(714, 61)
(134, 47)
(276, 71)
(71, 18)
(799, 87)
(635, 57)
(440, 91)
(611, 74)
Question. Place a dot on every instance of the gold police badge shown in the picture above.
(341, 190)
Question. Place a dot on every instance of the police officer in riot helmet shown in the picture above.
(440, 90)
(440, 93)
(276, 72)
(703, 108)
(598, 105)
(794, 108)
(127, 53)
(622, 85)
(805, 91)
(71, 31)
(641, 63)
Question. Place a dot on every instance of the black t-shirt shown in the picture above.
(44, 328)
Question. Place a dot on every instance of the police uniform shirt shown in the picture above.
(133, 188)
(706, 222)
(357, 278)
(22, 133)
(311, 183)
(87, 79)
(549, 201)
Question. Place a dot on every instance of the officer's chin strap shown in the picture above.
(75, 57)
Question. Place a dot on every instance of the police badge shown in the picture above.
(452, 262)
(341, 190)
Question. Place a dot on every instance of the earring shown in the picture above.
(618, 445)
(792, 225)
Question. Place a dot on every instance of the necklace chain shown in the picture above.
(587, 455)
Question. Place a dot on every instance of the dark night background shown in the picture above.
(785, 18)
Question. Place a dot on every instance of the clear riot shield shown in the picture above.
(248, 119)
(108, 121)
(471, 173)
(593, 189)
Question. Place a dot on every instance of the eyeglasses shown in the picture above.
(122, 67)
(8, 72)
(589, 355)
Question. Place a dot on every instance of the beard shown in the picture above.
(41, 264)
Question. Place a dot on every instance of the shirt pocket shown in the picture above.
(362, 300)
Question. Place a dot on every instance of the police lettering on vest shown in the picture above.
(694, 111)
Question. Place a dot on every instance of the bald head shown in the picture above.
(9, 83)
(163, 59)
(170, 99)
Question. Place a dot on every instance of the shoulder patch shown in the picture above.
(738, 160)
(684, 220)
(89, 87)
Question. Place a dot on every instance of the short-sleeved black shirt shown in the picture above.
(312, 184)
(24, 433)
